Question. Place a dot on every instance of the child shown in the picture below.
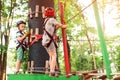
(21, 44)
(50, 26)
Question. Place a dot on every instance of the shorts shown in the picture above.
(20, 53)
(51, 47)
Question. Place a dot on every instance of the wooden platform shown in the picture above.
(94, 73)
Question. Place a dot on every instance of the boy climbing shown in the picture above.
(21, 44)
(50, 26)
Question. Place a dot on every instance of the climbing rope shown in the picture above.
(36, 38)
(80, 11)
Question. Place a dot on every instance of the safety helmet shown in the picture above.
(49, 12)
(20, 22)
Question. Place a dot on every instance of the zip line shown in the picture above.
(80, 11)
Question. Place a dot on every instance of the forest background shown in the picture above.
(82, 34)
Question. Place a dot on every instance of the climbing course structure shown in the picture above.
(38, 57)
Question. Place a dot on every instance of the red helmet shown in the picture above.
(49, 12)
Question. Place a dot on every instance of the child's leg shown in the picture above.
(18, 64)
(19, 58)
(52, 60)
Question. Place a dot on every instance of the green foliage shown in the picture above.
(3, 49)
(25, 61)
(80, 53)
(78, 29)
(13, 58)
(117, 57)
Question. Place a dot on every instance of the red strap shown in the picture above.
(37, 37)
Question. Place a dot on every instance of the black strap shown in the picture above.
(45, 23)
(51, 37)
(20, 43)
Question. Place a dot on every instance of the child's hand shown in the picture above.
(27, 33)
(64, 26)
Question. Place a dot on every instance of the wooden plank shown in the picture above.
(89, 76)
(116, 73)
(97, 74)
(85, 72)
(117, 78)
(102, 77)
(72, 73)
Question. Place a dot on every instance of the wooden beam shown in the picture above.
(37, 11)
(117, 78)
(102, 77)
(89, 76)
(30, 12)
(85, 72)
(66, 57)
(116, 73)
(46, 67)
(43, 9)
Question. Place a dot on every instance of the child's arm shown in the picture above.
(20, 38)
(61, 25)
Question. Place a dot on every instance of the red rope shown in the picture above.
(36, 38)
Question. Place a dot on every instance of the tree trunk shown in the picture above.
(37, 52)
(91, 46)
(5, 57)
(0, 44)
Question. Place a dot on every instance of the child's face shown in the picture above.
(21, 27)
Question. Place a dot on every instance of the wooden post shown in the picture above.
(37, 31)
(30, 12)
(31, 66)
(102, 41)
(66, 58)
(31, 32)
(37, 11)
(43, 9)
(46, 67)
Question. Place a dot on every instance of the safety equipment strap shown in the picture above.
(37, 37)
(50, 36)
(20, 43)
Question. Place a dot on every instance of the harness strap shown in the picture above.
(20, 43)
(50, 36)
(37, 37)
(51, 39)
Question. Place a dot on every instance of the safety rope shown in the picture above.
(80, 11)
(36, 38)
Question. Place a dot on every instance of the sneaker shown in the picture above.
(52, 74)
(17, 72)
(56, 74)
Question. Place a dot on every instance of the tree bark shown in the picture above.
(0, 44)
(5, 38)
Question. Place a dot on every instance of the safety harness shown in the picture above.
(50, 36)
(22, 43)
